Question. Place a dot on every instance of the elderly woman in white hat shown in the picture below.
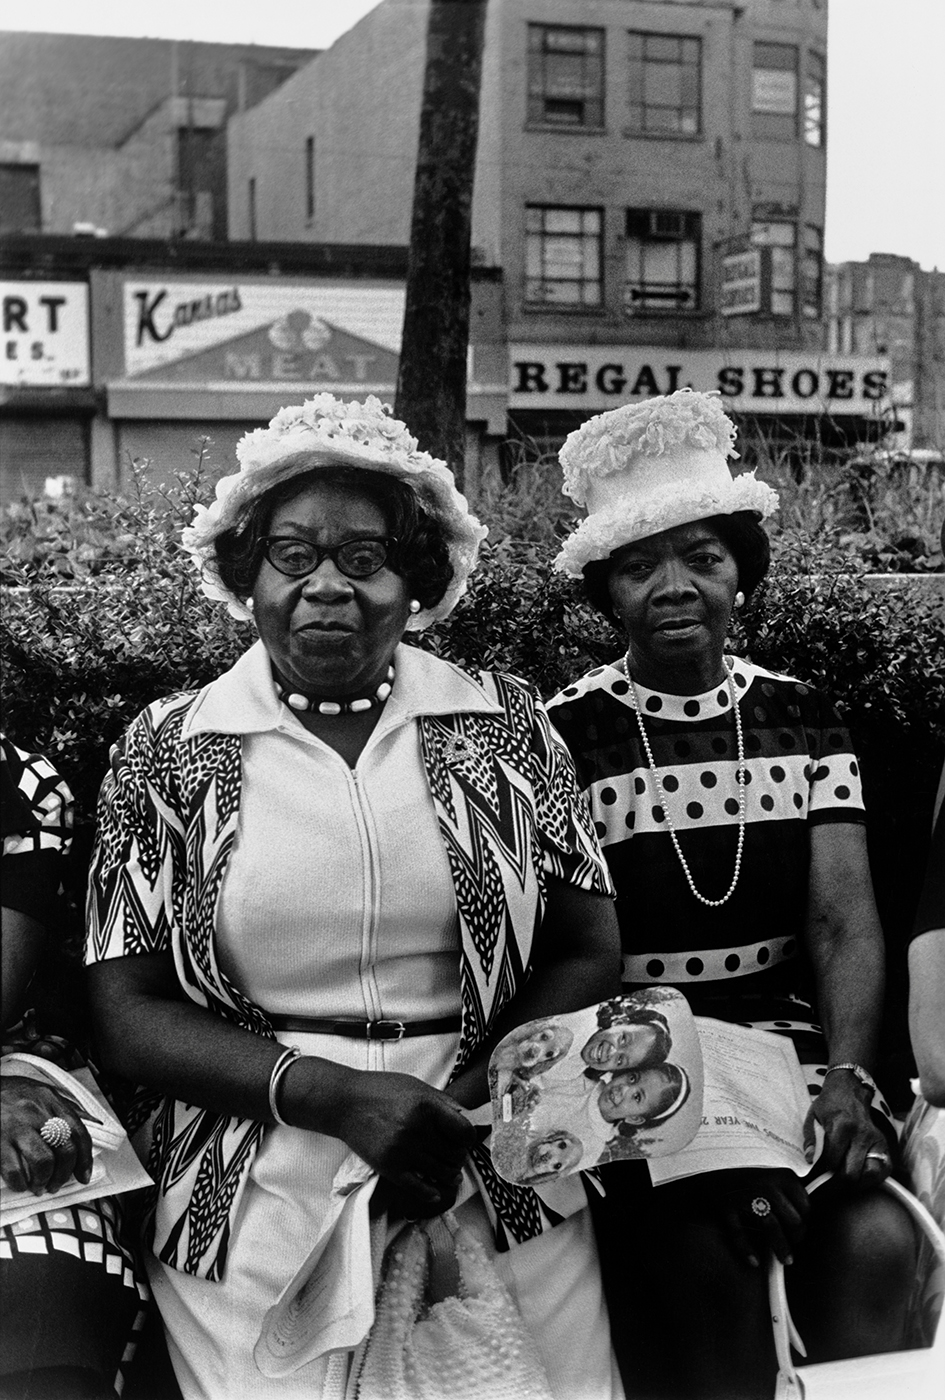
(323, 887)
(727, 800)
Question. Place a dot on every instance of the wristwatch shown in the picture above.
(862, 1075)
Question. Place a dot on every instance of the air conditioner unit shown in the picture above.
(667, 223)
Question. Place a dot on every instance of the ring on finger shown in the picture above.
(879, 1157)
(55, 1132)
(761, 1207)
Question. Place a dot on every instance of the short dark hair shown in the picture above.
(421, 555)
(742, 534)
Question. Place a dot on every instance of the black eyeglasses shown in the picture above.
(353, 558)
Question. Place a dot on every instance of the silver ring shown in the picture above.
(761, 1207)
(56, 1132)
(879, 1156)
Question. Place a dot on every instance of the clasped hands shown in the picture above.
(765, 1210)
(28, 1162)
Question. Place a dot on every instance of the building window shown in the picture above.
(309, 178)
(251, 201)
(565, 76)
(662, 260)
(563, 256)
(815, 91)
(665, 84)
(781, 237)
(774, 92)
(812, 272)
(20, 210)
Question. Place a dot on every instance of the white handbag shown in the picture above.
(895, 1375)
(471, 1344)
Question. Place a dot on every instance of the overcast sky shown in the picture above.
(886, 108)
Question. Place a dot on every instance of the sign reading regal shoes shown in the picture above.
(269, 335)
(45, 334)
(593, 377)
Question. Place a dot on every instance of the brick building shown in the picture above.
(889, 306)
(650, 180)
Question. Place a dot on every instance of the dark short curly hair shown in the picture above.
(421, 555)
(742, 534)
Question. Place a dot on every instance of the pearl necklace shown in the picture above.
(711, 903)
(297, 701)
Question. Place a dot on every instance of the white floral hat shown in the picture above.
(351, 434)
(646, 467)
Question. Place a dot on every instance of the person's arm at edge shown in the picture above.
(23, 939)
(845, 945)
(927, 1012)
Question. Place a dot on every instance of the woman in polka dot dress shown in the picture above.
(727, 801)
(71, 1298)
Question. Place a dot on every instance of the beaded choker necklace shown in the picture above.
(296, 701)
(740, 781)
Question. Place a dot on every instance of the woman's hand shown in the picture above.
(414, 1136)
(762, 1209)
(851, 1136)
(27, 1161)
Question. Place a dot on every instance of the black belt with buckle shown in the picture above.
(365, 1030)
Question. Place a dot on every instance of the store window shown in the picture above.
(664, 84)
(812, 272)
(563, 256)
(815, 92)
(774, 92)
(20, 210)
(780, 235)
(662, 260)
(565, 76)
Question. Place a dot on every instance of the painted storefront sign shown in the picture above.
(45, 334)
(268, 335)
(589, 377)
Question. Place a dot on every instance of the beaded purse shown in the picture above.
(446, 1327)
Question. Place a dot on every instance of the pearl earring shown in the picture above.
(414, 606)
(739, 599)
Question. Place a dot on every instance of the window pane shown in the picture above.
(814, 85)
(662, 261)
(782, 269)
(562, 256)
(661, 48)
(783, 56)
(562, 220)
(663, 84)
(565, 75)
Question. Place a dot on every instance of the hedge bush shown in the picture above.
(80, 660)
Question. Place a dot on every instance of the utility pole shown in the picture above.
(431, 383)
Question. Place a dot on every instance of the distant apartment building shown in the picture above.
(650, 180)
(125, 137)
(889, 306)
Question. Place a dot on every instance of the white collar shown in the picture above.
(243, 700)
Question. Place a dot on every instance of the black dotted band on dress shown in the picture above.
(708, 965)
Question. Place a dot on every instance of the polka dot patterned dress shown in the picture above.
(742, 961)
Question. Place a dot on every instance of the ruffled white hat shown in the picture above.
(646, 467)
(352, 434)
